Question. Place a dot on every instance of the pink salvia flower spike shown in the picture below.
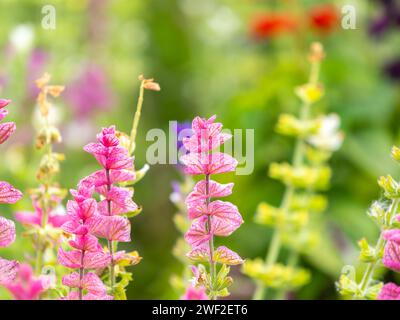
(8, 195)
(43, 223)
(86, 254)
(110, 221)
(210, 218)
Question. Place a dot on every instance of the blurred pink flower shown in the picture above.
(26, 286)
(56, 217)
(37, 61)
(193, 293)
(90, 91)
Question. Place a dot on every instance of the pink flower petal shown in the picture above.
(7, 232)
(96, 260)
(107, 137)
(71, 280)
(93, 285)
(8, 271)
(99, 178)
(199, 163)
(8, 194)
(223, 227)
(3, 113)
(205, 141)
(222, 209)
(90, 282)
(86, 242)
(215, 190)
(83, 210)
(4, 103)
(197, 234)
(121, 201)
(392, 235)
(70, 259)
(6, 130)
(115, 228)
(193, 293)
(391, 256)
(389, 291)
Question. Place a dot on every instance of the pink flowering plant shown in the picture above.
(8, 195)
(101, 208)
(386, 250)
(210, 218)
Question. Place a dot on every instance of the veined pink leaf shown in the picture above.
(215, 190)
(96, 260)
(389, 291)
(115, 228)
(199, 254)
(7, 232)
(4, 103)
(214, 163)
(224, 255)
(6, 130)
(8, 194)
(391, 256)
(8, 271)
(197, 234)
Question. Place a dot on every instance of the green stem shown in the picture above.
(371, 267)
(136, 118)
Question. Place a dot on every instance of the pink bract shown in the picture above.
(7, 232)
(391, 256)
(215, 190)
(8, 194)
(389, 291)
(8, 271)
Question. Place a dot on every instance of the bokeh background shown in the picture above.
(238, 59)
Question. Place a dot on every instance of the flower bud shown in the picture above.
(396, 153)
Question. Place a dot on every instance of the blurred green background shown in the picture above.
(208, 61)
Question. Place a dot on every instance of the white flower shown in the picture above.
(22, 37)
(328, 137)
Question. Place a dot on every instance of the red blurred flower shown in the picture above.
(272, 24)
(324, 17)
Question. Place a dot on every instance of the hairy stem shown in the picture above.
(211, 241)
(110, 242)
